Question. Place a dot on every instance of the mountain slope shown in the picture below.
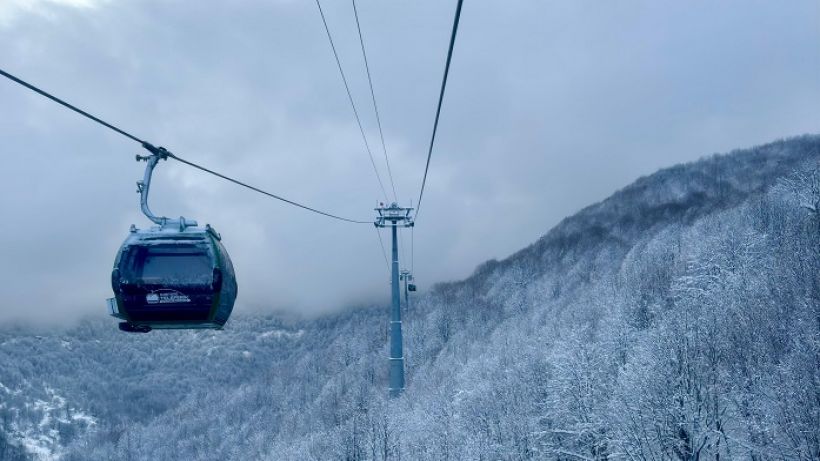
(677, 319)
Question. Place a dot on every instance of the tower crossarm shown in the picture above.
(393, 215)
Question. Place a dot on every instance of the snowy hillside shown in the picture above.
(677, 319)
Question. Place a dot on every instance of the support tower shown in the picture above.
(394, 216)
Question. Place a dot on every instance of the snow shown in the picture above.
(85, 418)
(279, 334)
(41, 439)
(39, 447)
(7, 390)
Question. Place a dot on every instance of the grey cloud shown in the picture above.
(550, 106)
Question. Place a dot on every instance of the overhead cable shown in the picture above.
(65, 104)
(384, 252)
(375, 106)
(412, 250)
(165, 153)
(350, 98)
(269, 194)
(440, 99)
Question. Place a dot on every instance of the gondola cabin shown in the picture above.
(172, 277)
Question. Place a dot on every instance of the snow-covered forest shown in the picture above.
(678, 319)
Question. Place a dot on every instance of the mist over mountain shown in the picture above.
(677, 319)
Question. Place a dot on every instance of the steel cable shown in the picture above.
(350, 98)
(440, 99)
(375, 106)
(164, 152)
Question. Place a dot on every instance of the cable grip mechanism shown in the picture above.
(143, 187)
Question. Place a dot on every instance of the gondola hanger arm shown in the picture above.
(143, 187)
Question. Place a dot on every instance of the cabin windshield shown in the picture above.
(169, 264)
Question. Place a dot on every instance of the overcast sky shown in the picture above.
(551, 106)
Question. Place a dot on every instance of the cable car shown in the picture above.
(411, 287)
(173, 275)
(171, 278)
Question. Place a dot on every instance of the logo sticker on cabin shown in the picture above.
(166, 297)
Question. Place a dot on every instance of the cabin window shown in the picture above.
(170, 264)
